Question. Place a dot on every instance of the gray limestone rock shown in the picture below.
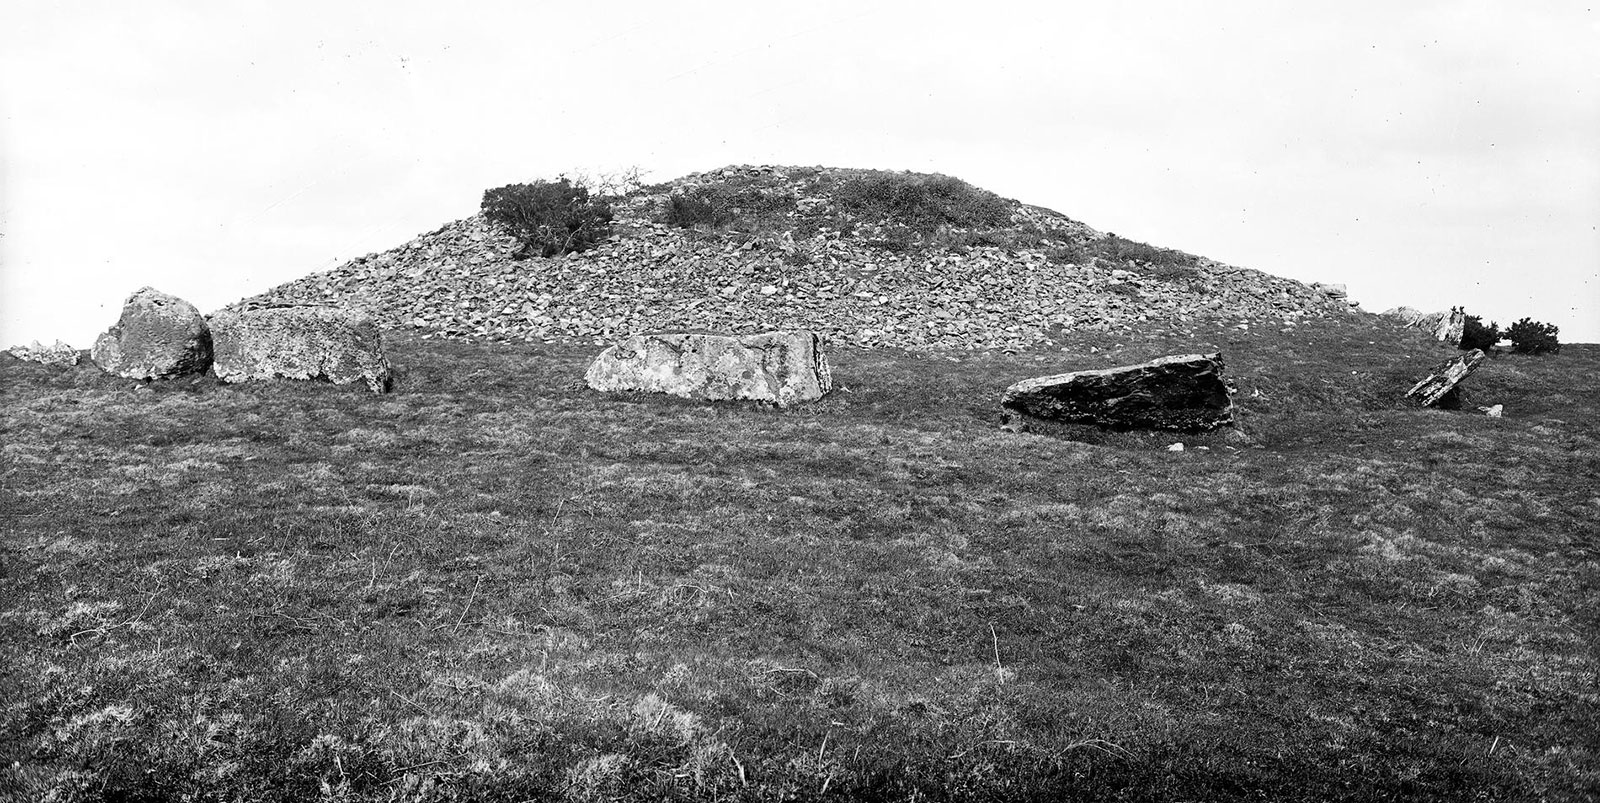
(782, 368)
(1445, 326)
(299, 341)
(1335, 291)
(1406, 315)
(58, 354)
(1441, 388)
(1184, 393)
(157, 337)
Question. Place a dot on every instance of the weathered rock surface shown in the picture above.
(1441, 388)
(58, 354)
(157, 337)
(1406, 315)
(782, 368)
(1185, 393)
(1013, 291)
(302, 341)
(1334, 291)
(1444, 326)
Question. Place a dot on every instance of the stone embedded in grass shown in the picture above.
(58, 354)
(299, 341)
(157, 337)
(1184, 393)
(1442, 387)
(782, 368)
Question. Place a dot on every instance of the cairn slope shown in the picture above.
(799, 250)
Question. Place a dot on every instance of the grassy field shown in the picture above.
(495, 584)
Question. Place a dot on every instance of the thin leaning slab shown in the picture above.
(782, 368)
(1185, 393)
(1442, 387)
(157, 337)
(299, 341)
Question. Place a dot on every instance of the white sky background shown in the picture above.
(1424, 153)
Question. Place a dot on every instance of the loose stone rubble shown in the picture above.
(1442, 387)
(1185, 393)
(157, 337)
(782, 368)
(300, 341)
(852, 288)
(57, 354)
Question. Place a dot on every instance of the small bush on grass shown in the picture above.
(1474, 335)
(923, 203)
(549, 218)
(1532, 337)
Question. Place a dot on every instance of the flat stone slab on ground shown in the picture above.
(299, 342)
(1184, 393)
(782, 368)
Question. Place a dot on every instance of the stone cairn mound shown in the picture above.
(1009, 287)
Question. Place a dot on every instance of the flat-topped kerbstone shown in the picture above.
(299, 341)
(782, 368)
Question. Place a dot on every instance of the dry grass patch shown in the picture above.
(496, 585)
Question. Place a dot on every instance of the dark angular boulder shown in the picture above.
(157, 337)
(1442, 387)
(1184, 393)
(299, 341)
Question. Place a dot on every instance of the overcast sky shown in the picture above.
(1423, 153)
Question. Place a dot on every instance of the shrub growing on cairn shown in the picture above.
(549, 218)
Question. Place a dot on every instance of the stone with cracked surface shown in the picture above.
(1185, 393)
(158, 336)
(299, 341)
(782, 368)
(1442, 387)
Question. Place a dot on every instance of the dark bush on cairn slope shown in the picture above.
(549, 218)
(924, 203)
